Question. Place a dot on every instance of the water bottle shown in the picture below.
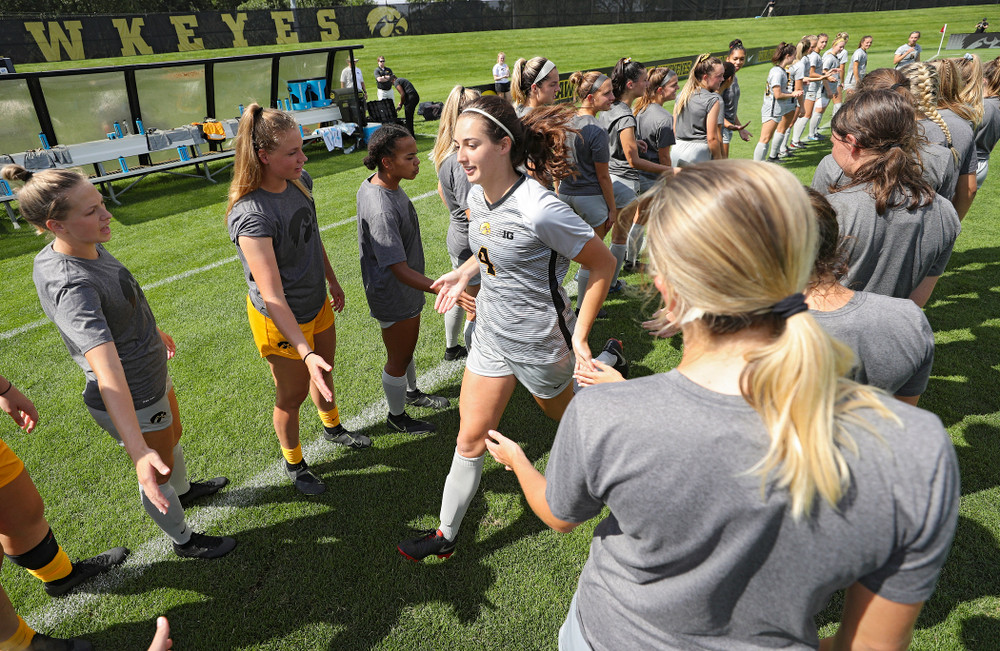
(302, 132)
(45, 141)
(122, 163)
(5, 187)
(138, 126)
(118, 131)
(183, 153)
(241, 110)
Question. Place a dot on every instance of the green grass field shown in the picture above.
(323, 573)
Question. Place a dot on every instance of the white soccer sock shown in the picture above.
(836, 107)
(776, 141)
(172, 522)
(636, 236)
(618, 250)
(453, 319)
(178, 476)
(760, 151)
(798, 128)
(459, 489)
(582, 278)
(411, 376)
(395, 392)
(470, 327)
(814, 123)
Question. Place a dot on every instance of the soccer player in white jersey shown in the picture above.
(522, 238)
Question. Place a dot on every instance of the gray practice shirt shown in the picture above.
(891, 337)
(288, 219)
(589, 146)
(693, 556)
(813, 61)
(731, 100)
(455, 188)
(939, 171)
(388, 233)
(656, 128)
(910, 56)
(861, 57)
(989, 131)
(94, 302)
(691, 121)
(964, 139)
(615, 120)
(892, 253)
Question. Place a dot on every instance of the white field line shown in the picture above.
(191, 272)
(226, 505)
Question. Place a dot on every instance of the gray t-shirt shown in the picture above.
(964, 139)
(615, 120)
(910, 56)
(831, 61)
(861, 57)
(815, 62)
(656, 128)
(777, 77)
(524, 243)
(939, 171)
(891, 337)
(989, 131)
(731, 100)
(288, 219)
(94, 302)
(388, 233)
(892, 253)
(455, 188)
(693, 556)
(691, 123)
(589, 146)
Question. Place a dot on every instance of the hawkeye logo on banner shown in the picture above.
(386, 21)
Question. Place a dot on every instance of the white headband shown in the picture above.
(544, 72)
(495, 121)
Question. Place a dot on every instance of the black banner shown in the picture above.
(973, 41)
(681, 65)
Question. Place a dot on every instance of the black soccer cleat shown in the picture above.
(614, 346)
(420, 399)
(619, 286)
(404, 423)
(343, 436)
(205, 546)
(86, 569)
(457, 351)
(45, 643)
(431, 541)
(303, 479)
(201, 489)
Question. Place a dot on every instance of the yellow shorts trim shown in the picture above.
(10, 465)
(269, 339)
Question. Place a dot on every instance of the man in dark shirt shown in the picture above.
(383, 79)
(981, 27)
(408, 98)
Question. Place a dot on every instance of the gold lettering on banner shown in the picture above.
(328, 29)
(186, 40)
(284, 25)
(131, 36)
(68, 40)
(236, 26)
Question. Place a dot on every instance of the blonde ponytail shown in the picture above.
(444, 144)
(924, 85)
(731, 240)
(260, 128)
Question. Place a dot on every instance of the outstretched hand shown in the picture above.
(601, 374)
(449, 289)
(19, 408)
(317, 366)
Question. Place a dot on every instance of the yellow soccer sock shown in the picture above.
(21, 639)
(294, 455)
(58, 568)
(330, 418)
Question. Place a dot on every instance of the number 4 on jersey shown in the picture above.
(484, 257)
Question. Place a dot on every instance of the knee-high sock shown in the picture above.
(453, 320)
(760, 151)
(411, 376)
(459, 489)
(836, 107)
(800, 126)
(395, 392)
(636, 235)
(814, 123)
(582, 278)
(470, 327)
(618, 250)
(179, 475)
(172, 522)
(776, 142)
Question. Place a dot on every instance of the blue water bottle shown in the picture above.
(123, 164)
(183, 153)
(138, 125)
(302, 132)
(118, 130)
(241, 110)
(5, 188)
(45, 141)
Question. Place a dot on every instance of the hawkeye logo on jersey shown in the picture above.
(158, 417)
(486, 230)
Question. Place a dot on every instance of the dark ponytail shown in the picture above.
(626, 70)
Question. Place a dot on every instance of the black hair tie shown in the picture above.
(790, 306)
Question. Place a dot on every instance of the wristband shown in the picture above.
(311, 352)
(9, 385)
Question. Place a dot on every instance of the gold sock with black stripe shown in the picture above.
(46, 561)
(21, 639)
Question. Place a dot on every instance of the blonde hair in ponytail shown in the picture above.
(44, 194)
(260, 128)
(974, 91)
(658, 77)
(522, 76)
(924, 86)
(702, 66)
(458, 99)
(730, 239)
(951, 85)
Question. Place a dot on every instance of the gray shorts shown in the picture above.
(591, 207)
(541, 380)
(153, 418)
(773, 110)
(727, 135)
(571, 633)
(626, 191)
(982, 169)
(812, 95)
(647, 182)
(690, 152)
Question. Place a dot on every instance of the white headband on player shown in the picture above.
(493, 119)
(544, 72)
